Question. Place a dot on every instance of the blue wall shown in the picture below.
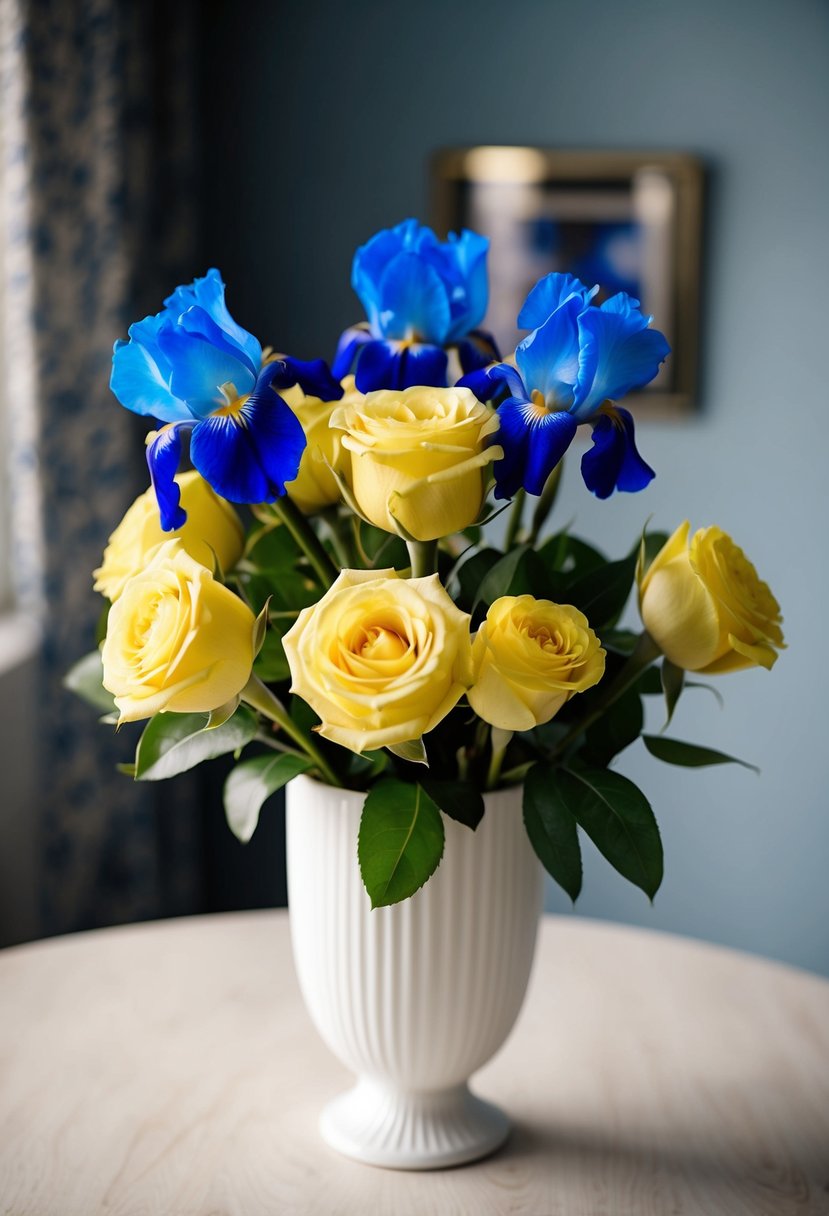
(320, 120)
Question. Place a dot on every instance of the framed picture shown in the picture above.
(628, 221)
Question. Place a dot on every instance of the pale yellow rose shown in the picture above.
(315, 485)
(212, 527)
(530, 657)
(177, 639)
(380, 659)
(419, 458)
(705, 607)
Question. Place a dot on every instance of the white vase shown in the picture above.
(412, 998)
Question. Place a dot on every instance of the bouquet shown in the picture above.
(362, 625)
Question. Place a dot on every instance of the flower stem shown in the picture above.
(643, 655)
(306, 538)
(500, 742)
(259, 696)
(423, 555)
(516, 516)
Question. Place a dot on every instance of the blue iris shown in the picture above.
(193, 368)
(576, 361)
(422, 296)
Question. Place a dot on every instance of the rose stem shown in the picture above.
(500, 742)
(645, 652)
(423, 555)
(515, 518)
(306, 538)
(259, 696)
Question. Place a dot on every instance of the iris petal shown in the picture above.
(352, 340)
(413, 300)
(423, 364)
(250, 456)
(618, 353)
(533, 445)
(397, 365)
(461, 263)
(163, 457)
(476, 350)
(139, 383)
(209, 294)
(199, 369)
(549, 294)
(613, 462)
(196, 321)
(490, 381)
(313, 377)
(548, 358)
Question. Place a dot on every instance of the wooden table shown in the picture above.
(170, 1068)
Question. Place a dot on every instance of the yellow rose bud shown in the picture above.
(530, 657)
(705, 607)
(380, 659)
(212, 526)
(419, 457)
(315, 486)
(177, 639)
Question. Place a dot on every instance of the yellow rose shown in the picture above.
(530, 657)
(177, 639)
(418, 457)
(212, 526)
(315, 486)
(705, 607)
(380, 659)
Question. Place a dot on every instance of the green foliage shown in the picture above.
(551, 827)
(602, 593)
(174, 743)
(270, 664)
(251, 783)
(85, 679)
(620, 726)
(401, 840)
(460, 800)
(618, 818)
(673, 679)
(689, 755)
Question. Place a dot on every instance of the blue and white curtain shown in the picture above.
(98, 162)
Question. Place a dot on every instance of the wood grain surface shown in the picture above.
(171, 1069)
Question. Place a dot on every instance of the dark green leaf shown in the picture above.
(85, 679)
(551, 827)
(368, 765)
(251, 783)
(457, 799)
(174, 743)
(672, 678)
(271, 664)
(617, 728)
(601, 594)
(689, 755)
(617, 817)
(275, 549)
(504, 578)
(472, 572)
(566, 554)
(620, 641)
(400, 842)
(382, 550)
(650, 683)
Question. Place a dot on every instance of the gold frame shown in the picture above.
(455, 169)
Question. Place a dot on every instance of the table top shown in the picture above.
(171, 1068)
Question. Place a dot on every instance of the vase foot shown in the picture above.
(381, 1125)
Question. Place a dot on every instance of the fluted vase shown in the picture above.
(416, 997)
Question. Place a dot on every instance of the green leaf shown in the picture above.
(620, 641)
(270, 664)
(174, 743)
(618, 818)
(413, 751)
(601, 594)
(260, 626)
(380, 549)
(566, 554)
(400, 843)
(274, 549)
(457, 799)
(368, 765)
(504, 578)
(471, 572)
(551, 827)
(672, 678)
(85, 679)
(650, 683)
(617, 728)
(689, 755)
(251, 783)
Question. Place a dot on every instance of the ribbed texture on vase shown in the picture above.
(419, 995)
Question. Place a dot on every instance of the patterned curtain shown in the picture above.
(98, 167)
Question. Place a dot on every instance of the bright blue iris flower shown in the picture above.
(421, 296)
(194, 369)
(575, 363)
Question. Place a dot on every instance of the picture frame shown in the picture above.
(631, 221)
